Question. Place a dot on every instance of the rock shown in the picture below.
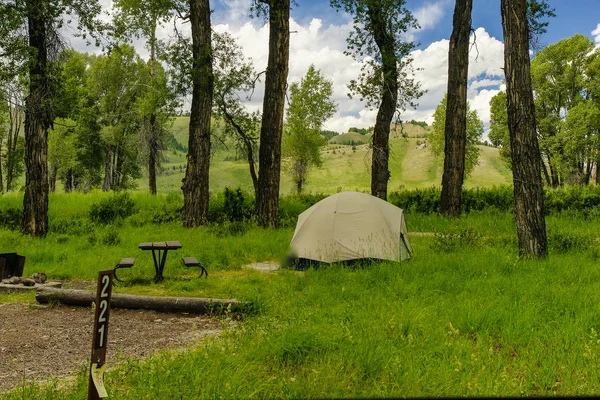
(17, 280)
(39, 277)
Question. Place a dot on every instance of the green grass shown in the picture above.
(464, 317)
(344, 168)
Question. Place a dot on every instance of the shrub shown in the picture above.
(230, 206)
(10, 218)
(562, 242)
(118, 206)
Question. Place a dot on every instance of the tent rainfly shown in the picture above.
(350, 226)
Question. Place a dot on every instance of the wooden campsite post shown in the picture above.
(96, 389)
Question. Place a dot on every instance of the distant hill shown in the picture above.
(344, 168)
(350, 138)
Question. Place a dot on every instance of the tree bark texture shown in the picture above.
(153, 151)
(16, 118)
(195, 184)
(455, 130)
(37, 121)
(380, 173)
(269, 155)
(527, 175)
(85, 298)
(153, 154)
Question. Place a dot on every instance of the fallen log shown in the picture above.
(186, 304)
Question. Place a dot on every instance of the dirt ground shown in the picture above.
(40, 342)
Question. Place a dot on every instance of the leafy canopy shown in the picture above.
(436, 138)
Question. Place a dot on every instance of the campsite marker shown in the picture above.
(96, 389)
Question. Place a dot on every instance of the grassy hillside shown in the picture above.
(344, 168)
(349, 139)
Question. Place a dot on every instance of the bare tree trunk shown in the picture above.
(37, 122)
(16, 118)
(52, 178)
(269, 156)
(455, 130)
(380, 173)
(195, 184)
(153, 152)
(1, 173)
(108, 169)
(527, 176)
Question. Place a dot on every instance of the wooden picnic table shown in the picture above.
(159, 254)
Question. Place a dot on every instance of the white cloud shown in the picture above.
(596, 34)
(430, 14)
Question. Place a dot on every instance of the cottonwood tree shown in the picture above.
(527, 175)
(473, 133)
(116, 83)
(456, 111)
(310, 106)
(498, 134)
(196, 182)
(30, 38)
(269, 156)
(142, 18)
(386, 78)
(559, 79)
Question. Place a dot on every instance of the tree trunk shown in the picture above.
(380, 173)
(52, 178)
(455, 130)
(269, 155)
(37, 122)
(527, 176)
(1, 173)
(195, 184)
(85, 298)
(153, 156)
(108, 169)
(16, 118)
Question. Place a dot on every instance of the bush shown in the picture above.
(118, 206)
(230, 206)
(10, 218)
(562, 242)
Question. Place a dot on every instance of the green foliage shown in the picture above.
(499, 135)
(563, 242)
(362, 131)
(310, 106)
(10, 218)
(230, 206)
(422, 124)
(377, 27)
(117, 207)
(436, 138)
(559, 75)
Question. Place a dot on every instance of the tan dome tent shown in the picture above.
(350, 226)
